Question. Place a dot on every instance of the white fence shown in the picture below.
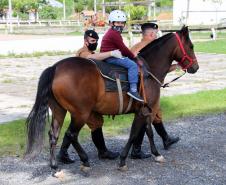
(17, 22)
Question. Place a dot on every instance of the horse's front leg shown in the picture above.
(154, 151)
(137, 125)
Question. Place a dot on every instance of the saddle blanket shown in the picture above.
(110, 72)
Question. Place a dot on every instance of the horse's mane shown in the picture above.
(154, 45)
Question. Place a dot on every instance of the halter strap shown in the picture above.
(185, 55)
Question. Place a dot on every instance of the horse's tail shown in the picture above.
(36, 120)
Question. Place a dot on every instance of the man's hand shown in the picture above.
(116, 54)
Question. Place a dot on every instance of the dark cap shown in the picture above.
(91, 33)
(149, 25)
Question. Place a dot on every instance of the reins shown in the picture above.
(163, 85)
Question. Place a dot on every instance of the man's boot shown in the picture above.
(63, 154)
(136, 152)
(103, 152)
(167, 140)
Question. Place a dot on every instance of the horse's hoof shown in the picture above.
(84, 168)
(123, 168)
(59, 174)
(160, 159)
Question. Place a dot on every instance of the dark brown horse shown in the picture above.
(76, 85)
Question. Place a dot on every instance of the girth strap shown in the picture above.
(129, 105)
(120, 96)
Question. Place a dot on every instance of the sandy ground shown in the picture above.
(19, 76)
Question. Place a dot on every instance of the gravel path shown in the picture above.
(197, 159)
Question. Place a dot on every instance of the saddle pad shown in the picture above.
(113, 71)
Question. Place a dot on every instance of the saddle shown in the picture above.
(111, 73)
(116, 80)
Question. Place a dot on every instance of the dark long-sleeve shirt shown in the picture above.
(112, 40)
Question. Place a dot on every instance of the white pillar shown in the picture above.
(154, 13)
(149, 11)
(95, 6)
(10, 17)
(214, 35)
(103, 8)
(64, 9)
(187, 13)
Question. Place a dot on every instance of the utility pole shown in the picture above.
(10, 16)
(119, 6)
(154, 14)
(64, 9)
(95, 6)
(188, 8)
(103, 8)
(149, 10)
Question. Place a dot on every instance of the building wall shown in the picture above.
(201, 12)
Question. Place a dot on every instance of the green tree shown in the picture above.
(162, 3)
(3, 5)
(136, 12)
(49, 12)
(79, 5)
(23, 6)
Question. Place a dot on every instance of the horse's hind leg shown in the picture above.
(154, 151)
(58, 115)
(72, 133)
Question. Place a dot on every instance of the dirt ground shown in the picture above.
(19, 76)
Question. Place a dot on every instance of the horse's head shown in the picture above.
(184, 54)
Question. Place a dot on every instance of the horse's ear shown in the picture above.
(185, 31)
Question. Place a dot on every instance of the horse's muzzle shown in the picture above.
(193, 69)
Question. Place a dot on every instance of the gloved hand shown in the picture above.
(116, 54)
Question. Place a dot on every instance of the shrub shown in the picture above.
(49, 12)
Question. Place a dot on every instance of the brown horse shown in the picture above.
(76, 85)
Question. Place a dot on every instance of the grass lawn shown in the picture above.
(218, 46)
(206, 34)
(12, 135)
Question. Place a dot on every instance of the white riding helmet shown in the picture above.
(117, 15)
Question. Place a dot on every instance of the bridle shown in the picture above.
(181, 63)
(185, 55)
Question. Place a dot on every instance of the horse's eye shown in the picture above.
(192, 46)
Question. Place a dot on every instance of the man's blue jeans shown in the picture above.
(128, 64)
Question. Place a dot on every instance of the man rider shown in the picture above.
(149, 33)
(87, 51)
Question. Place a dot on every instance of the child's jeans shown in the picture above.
(128, 64)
